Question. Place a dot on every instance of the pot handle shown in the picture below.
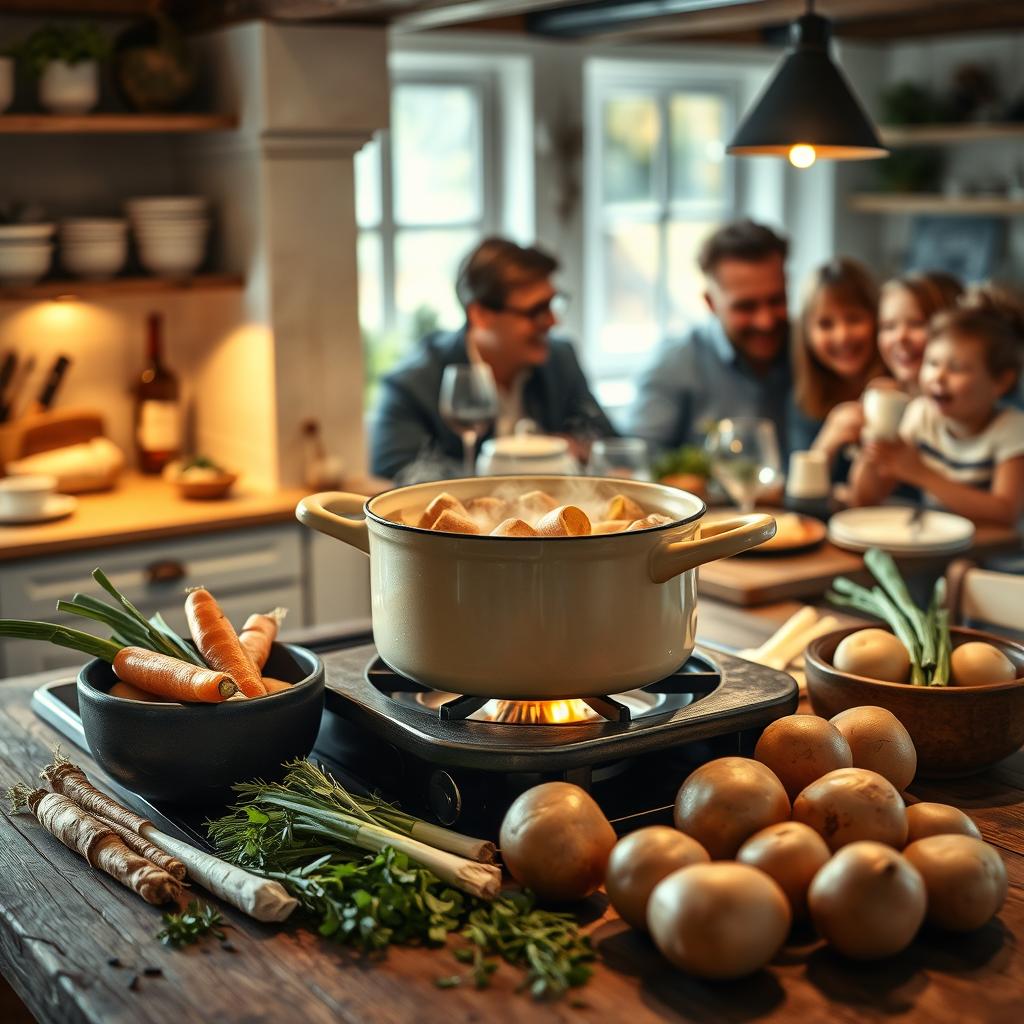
(718, 540)
(321, 512)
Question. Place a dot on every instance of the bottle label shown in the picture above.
(158, 426)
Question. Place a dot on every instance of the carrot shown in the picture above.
(129, 692)
(219, 644)
(275, 685)
(259, 632)
(97, 843)
(168, 677)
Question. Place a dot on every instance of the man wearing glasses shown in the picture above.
(510, 306)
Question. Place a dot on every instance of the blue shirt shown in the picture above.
(701, 378)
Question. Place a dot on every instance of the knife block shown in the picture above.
(44, 431)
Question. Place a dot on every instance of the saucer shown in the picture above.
(890, 527)
(57, 507)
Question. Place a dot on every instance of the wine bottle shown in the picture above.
(157, 406)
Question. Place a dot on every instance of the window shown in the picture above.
(429, 188)
(657, 181)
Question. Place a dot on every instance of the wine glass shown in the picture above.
(626, 457)
(745, 460)
(469, 405)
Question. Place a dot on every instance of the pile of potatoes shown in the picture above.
(813, 827)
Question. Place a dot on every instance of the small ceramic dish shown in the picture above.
(206, 488)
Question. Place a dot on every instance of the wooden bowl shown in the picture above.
(957, 730)
(207, 490)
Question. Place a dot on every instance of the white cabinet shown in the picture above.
(247, 570)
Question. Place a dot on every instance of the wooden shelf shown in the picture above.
(922, 202)
(114, 124)
(119, 286)
(949, 134)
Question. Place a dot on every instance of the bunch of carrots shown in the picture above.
(152, 662)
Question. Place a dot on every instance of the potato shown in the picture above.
(556, 841)
(927, 819)
(727, 800)
(879, 742)
(800, 749)
(977, 664)
(867, 901)
(640, 861)
(792, 854)
(718, 920)
(965, 879)
(851, 804)
(873, 654)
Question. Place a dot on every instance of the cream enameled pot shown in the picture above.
(532, 618)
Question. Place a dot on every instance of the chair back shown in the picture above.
(983, 599)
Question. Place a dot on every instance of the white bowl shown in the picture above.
(25, 495)
(94, 260)
(93, 227)
(172, 259)
(166, 206)
(24, 264)
(182, 229)
(26, 232)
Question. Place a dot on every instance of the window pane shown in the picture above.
(697, 142)
(368, 190)
(629, 320)
(426, 263)
(685, 281)
(630, 129)
(436, 154)
(371, 282)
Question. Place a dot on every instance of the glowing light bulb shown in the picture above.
(802, 156)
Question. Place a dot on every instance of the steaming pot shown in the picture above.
(533, 618)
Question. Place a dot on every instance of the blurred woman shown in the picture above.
(835, 354)
(907, 306)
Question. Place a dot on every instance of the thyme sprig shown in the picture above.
(194, 923)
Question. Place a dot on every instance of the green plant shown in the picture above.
(69, 43)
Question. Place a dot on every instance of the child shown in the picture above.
(907, 305)
(957, 445)
(834, 356)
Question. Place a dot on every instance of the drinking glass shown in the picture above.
(744, 458)
(469, 405)
(625, 457)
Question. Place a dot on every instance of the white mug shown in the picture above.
(883, 411)
(25, 497)
(808, 475)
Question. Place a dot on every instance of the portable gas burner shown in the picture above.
(461, 761)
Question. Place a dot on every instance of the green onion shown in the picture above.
(156, 641)
(122, 626)
(883, 568)
(184, 650)
(62, 636)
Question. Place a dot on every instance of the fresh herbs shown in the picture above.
(925, 634)
(69, 43)
(690, 459)
(197, 921)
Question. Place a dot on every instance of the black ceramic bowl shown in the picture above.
(192, 753)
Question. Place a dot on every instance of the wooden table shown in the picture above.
(760, 579)
(61, 923)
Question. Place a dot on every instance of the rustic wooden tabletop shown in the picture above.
(76, 947)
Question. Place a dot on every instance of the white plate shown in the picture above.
(889, 527)
(57, 507)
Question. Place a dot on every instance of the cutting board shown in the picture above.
(42, 432)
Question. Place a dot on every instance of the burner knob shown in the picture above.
(445, 798)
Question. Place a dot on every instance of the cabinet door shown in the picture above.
(247, 570)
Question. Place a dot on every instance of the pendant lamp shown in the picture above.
(808, 110)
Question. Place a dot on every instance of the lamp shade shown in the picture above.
(808, 103)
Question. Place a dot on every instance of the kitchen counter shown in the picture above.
(143, 508)
(62, 923)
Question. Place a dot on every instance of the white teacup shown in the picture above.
(25, 497)
(808, 475)
(883, 411)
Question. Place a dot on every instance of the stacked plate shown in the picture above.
(25, 252)
(94, 248)
(895, 528)
(170, 232)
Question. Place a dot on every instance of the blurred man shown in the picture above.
(736, 363)
(507, 294)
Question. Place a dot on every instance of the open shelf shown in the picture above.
(923, 202)
(119, 286)
(114, 124)
(949, 134)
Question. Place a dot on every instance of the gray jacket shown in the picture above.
(407, 427)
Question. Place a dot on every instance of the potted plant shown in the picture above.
(65, 59)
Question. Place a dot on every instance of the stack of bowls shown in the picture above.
(25, 252)
(94, 248)
(170, 232)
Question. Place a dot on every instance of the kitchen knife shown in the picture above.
(52, 383)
